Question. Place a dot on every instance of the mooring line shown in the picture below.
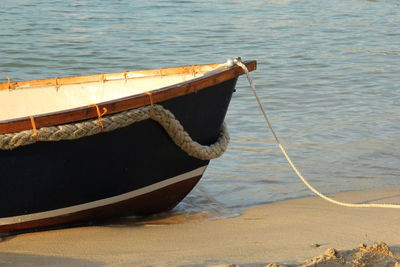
(238, 62)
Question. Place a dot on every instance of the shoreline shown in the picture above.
(287, 232)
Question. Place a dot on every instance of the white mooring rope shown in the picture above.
(238, 62)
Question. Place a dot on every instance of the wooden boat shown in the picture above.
(52, 175)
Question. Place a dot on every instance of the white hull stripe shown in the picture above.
(102, 202)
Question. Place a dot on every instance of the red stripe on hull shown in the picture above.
(159, 200)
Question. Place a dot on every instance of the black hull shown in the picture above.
(137, 168)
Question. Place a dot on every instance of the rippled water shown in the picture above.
(329, 76)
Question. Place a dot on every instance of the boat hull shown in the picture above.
(149, 200)
(133, 170)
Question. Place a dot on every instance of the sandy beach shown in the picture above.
(286, 233)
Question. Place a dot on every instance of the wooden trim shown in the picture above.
(108, 76)
(219, 75)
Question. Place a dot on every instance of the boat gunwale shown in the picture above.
(59, 81)
(220, 74)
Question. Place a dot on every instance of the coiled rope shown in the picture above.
(112, 122)
(238, 62)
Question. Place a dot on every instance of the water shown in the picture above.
(329, 77)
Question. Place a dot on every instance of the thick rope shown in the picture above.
(283, 150)
(111, 122)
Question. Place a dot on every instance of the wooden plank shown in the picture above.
(108, 76)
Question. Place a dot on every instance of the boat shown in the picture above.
(77, 149)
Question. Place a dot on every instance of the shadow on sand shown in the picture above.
(21, 259)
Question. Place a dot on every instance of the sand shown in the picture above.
(287, 233)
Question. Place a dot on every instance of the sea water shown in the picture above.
(328, 75)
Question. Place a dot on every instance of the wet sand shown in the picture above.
(288, 233)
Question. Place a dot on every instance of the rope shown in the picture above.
(34, 127)
(99, 115)
(238, 62)
(112, 122)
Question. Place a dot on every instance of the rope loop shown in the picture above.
(114, 121)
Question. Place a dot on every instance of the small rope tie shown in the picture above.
(238, 62)
(100, 115)
(126, 77)
(151, 103)
(56, 84)
(102, 78)
(9, 82)
(193, 70)
(34, 129)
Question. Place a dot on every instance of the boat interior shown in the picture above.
(31, 98)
